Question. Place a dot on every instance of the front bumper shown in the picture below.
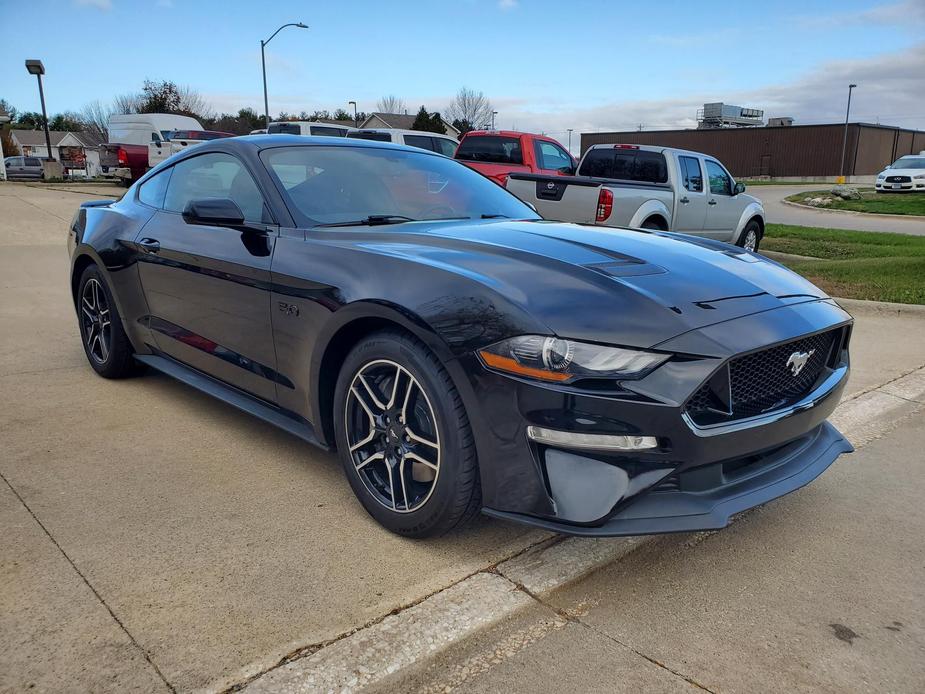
(916, 185)
(697, 476)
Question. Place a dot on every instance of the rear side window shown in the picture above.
(215, 176)
(32, 161)
(377, 137)
(691, 174)
(494, 149)
(284, 129)
(327, 131)
(152, 191)
(446, 147)
(626, 165)
(422, 141)
(550, 156)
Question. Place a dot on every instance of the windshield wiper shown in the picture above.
(495, 216)
(372, 220)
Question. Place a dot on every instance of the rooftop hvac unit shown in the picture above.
(720, 115)
(781, 121)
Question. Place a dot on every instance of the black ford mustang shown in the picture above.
(459, 352)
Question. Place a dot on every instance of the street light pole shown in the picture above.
(4, 119)
(844, 143)
(35, 67)
(263, 65)
(493, 114)
(569, 140)
(356, 118)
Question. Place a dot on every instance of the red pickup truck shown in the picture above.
(497, 153)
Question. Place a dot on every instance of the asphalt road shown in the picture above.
(779, 213)
(154, 538)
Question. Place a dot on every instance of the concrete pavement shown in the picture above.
(820, 591)
(156, 537)
(779, 213)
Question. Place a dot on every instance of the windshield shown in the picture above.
(909, 163)
(334, 185)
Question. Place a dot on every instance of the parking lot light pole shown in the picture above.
(570, 140)
(263, 65)
(356, 119)
(493, 114)
(844, 143)
(35, 67)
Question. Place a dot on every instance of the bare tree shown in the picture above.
(193, 102)
(96, 119)
(125, 104)
(471, 107)
(390, 104)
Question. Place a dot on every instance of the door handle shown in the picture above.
(684, 200)
(712, 202)
(149, 245)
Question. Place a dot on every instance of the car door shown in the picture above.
(14, 167)
(32, 167)
(722, 206)
(550, 158)
(691, 207)
(208, 287)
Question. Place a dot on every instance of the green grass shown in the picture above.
(854, 264)
(872, 202)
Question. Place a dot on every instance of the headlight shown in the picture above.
(881, 176)
(919, 176)
(557, 360)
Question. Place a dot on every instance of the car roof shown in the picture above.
(399, 131)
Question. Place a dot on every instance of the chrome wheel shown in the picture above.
(751, 241)
(95, 320)
(392, 435)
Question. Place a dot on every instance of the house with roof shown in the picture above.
(400, 121)
(77, 151)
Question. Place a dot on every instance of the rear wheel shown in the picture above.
(654, 224)
(750, 238)
(104, 340)
(403, 437)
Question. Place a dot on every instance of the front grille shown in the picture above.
(899, 179)
(763, 381)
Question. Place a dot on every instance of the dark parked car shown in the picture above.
(459, 352)
(24, 167)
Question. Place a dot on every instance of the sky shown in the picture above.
(546, 65)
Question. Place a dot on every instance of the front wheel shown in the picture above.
(750, 238)
(104, 340)
(403, 437)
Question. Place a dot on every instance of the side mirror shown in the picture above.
(738, 188)
(567, 170)
(220, 212)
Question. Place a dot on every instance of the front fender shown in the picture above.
(753, 209)
(649, 208)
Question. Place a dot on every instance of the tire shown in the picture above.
(750, 238)
(652, 224)
(386, 467)
(104, 340)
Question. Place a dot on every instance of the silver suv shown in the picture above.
(24, 167)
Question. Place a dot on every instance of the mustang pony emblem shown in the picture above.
(798, 360)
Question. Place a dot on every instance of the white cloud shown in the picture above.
(905, 13)
(507, 4)
(98, 4)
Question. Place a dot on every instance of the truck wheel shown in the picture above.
(653, 224)
(750, 237)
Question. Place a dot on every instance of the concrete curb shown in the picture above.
(867, 215)
(410, 637)
(863, 306)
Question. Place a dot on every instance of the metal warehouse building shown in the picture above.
(785, 151)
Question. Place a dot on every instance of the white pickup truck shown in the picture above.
(648, 187)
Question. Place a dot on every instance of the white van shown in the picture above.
(435, 142)
(304, 127)
(144, 128)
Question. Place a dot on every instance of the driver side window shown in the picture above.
(720, 181)
(551, 157)
(215, 175)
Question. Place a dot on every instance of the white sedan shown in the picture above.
(905, 175)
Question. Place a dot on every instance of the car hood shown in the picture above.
(604, 284)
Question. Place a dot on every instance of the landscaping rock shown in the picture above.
(817, 202)
(846, 193)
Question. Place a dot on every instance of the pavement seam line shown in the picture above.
(564, 580)
(89, 585)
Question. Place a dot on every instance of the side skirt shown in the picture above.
(234, 397)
